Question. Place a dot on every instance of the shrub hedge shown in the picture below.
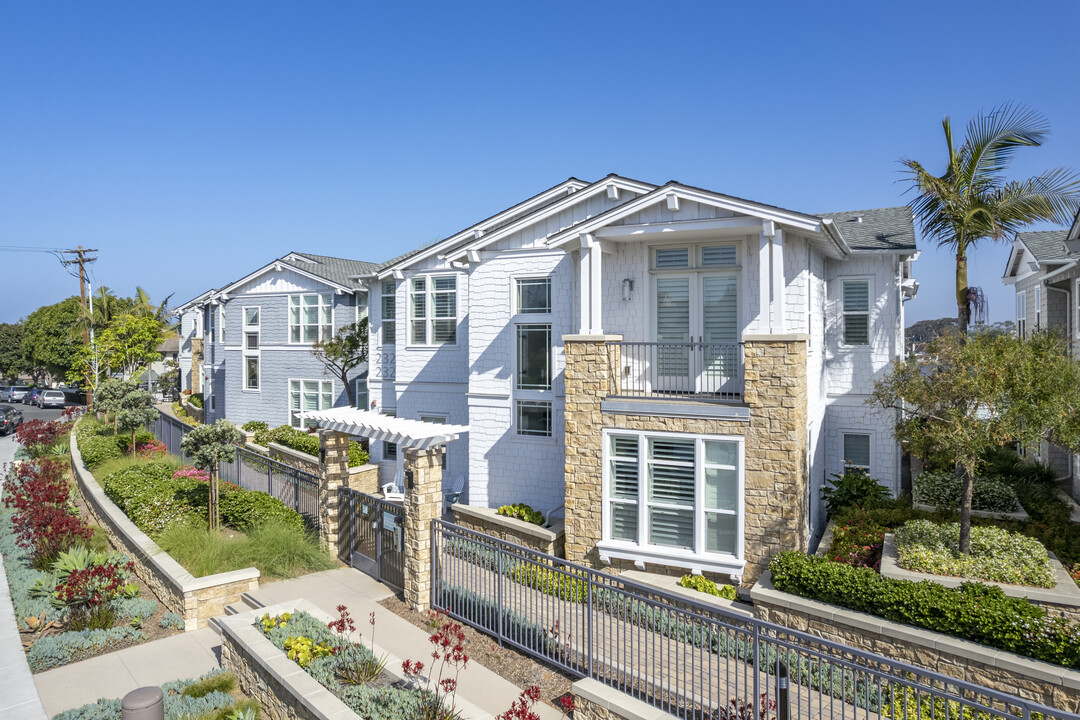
(299, 440)
(974, 611)
(942, 488)
(154, 498)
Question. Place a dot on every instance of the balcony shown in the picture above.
(696, 371)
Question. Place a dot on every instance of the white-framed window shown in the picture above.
(389, 312)
(1038, 308)
(309, 395)
(674, 493)
(252, 319)
(1021, 313)
(856, 304)
(211, 323)
(221, 325)
(532, 295)
(433, 310)
(857, 451)
(695, 257)
(389, 449)
(1076, 313)
(533, 356)
(534, 418)
(311, 317)
(362, 396)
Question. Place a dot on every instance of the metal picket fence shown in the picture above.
(294, 487)
(690, 659)
(250, 470)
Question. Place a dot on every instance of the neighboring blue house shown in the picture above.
(257, 334)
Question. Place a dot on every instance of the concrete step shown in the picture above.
(251, 601)
(236, 608)
(215, 625)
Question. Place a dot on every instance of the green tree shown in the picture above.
(963, 399)
(973, 201)
(12, 361)
(342, 353)
(47, 344)
(131, 342)
(136, 410)
(109, 396)
(208, 445)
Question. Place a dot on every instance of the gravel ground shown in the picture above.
(515, 666)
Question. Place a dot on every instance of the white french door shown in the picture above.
(697, 332)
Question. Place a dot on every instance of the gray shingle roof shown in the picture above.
(336, 270)
(880, 229)
(1045, 245)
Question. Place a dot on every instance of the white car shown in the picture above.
(51, 398)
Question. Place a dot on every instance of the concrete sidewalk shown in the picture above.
(115, 674)
(192, 654)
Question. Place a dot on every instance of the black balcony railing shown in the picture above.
(696, 370)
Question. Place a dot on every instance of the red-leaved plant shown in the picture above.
(739, 709)
(448, 659)
(39, 432)
(88, 593)
(44, 520)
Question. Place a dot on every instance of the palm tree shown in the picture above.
(973, 200)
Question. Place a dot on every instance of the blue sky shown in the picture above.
(191, 143)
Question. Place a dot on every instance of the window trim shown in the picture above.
(516, 419)
(429, 308)
(323, 333)
(1038, 308)
(288, 396)
(386, 443)
(383, 319)
(694, 559)
(515, 284)
(869, 280)
(1021, 312)
(367, 391)
(870, 450)
(247, 352)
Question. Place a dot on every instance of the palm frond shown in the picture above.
(992, 139)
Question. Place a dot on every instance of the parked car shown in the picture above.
(17, 392)
(10, 419)
(51, 399)
(5, 393)
(30, 398)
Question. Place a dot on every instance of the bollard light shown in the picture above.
(145, 703)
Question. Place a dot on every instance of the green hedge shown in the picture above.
(976, 612)
(154, 500)
(942, 488)
(196, 399)
(97, 449)
(299, 440)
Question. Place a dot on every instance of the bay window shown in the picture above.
(311, 318)
(309, 395)
(673, 493)
(433, 310)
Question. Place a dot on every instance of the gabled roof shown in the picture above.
(339, 273)
(1045, 245)
(190, 304)
(496, 221)
(880, 229)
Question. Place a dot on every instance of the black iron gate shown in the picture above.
(372, 536)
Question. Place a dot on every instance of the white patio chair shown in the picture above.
(396, 490)
(452, 495)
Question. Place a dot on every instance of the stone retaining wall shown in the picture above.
(1006, 672)
(365, 478)
(487, 520)
(195, 599)
(294, 458)
(595, 701)
(195, 413)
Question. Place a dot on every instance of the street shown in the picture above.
(8, 444)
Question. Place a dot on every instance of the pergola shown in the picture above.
(376, 426)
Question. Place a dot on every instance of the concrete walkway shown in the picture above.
(192, 654)
(115, 674)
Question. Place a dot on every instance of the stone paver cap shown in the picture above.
(376, 426)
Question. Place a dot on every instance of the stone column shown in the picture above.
(776, 443)
(587, 377)
(423, 503)
(333, 473)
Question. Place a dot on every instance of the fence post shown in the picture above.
(757, 666)
(589, 647)
(423, 503)
(499, 580)
(334, 472)
(782, 690)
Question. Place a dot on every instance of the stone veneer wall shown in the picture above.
(195, 599)
(297, 459)
(595, 701)
(487, 520)
(1006, 672)
(423, 503)
(333, 473)
(775, 445)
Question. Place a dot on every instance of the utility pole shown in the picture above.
(81, 260)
